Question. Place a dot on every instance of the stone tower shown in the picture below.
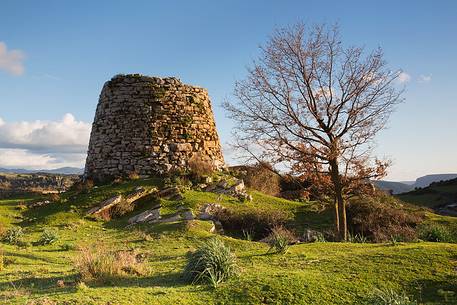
(150, 125)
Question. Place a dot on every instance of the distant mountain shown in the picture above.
(395, 187)
(407, 186)
(61, 170)
(427, 180)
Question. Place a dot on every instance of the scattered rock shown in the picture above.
(237, 190)
(137, 194)
(187, 215)
(171, 193)
(146, 216)
(311, 235)
(208, 211)
(39, 203)
(107, 204)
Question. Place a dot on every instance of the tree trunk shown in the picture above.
(340, 208)
(337, 217)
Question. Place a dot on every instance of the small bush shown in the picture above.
(83, 187)
(378, 218)
(199, 167)
(213, 262)
(258, 222)
(436, 233)
(13, 235)
(48, 237)
(390, 297)
(357, 238)
(133, 176)
(261, 177)
(279, 239)
(68, 247)
(102, 265)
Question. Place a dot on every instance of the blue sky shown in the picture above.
(56, 55)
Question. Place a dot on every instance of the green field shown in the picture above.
(313, 273)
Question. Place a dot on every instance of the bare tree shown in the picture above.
(313, 107)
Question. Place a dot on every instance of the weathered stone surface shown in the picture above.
(135, 195)
(169, 193)
(149, 125)
(146, 216)
(104, 205)
(208, 211)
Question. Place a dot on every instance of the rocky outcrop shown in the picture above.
(130, 198)
(150, 125)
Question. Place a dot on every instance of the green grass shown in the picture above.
(316, 273)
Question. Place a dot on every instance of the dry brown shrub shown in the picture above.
(133, 176)
(83, 186)
(261, 178)
(258, 222)
(381, 218)
(98, 263)
(199, 167)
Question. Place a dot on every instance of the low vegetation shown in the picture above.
(157, 263)
(213, 262)
(280, 239)
(381, 218)
(103, 265)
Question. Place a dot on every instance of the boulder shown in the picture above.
(209, 211)
(187, 215)
(146, 216)
(104, 205)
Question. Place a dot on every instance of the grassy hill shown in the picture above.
(309, 273)
(436, 195)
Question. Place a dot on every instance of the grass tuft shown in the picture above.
(213, 262)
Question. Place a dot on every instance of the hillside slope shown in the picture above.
(313, 273)
(440, 196)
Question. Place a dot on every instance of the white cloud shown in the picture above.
(66, 135)
(11, 61)
(404, 77)
(425, 78)
(44, 144)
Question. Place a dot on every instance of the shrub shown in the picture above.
(133, 176)
(435, 233)
(259, 222)
(98, 263)
(378, 218)
(13, 235)
(357, 238)
(83, 187)
(390, 297)
(279, 239)
(261, 177)
(213, 262)
(199, 167)
(48, 237)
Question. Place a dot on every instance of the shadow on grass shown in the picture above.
(49, 285)
(434, 291)
(28, 256)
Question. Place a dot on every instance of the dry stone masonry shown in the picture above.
(150, 125)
